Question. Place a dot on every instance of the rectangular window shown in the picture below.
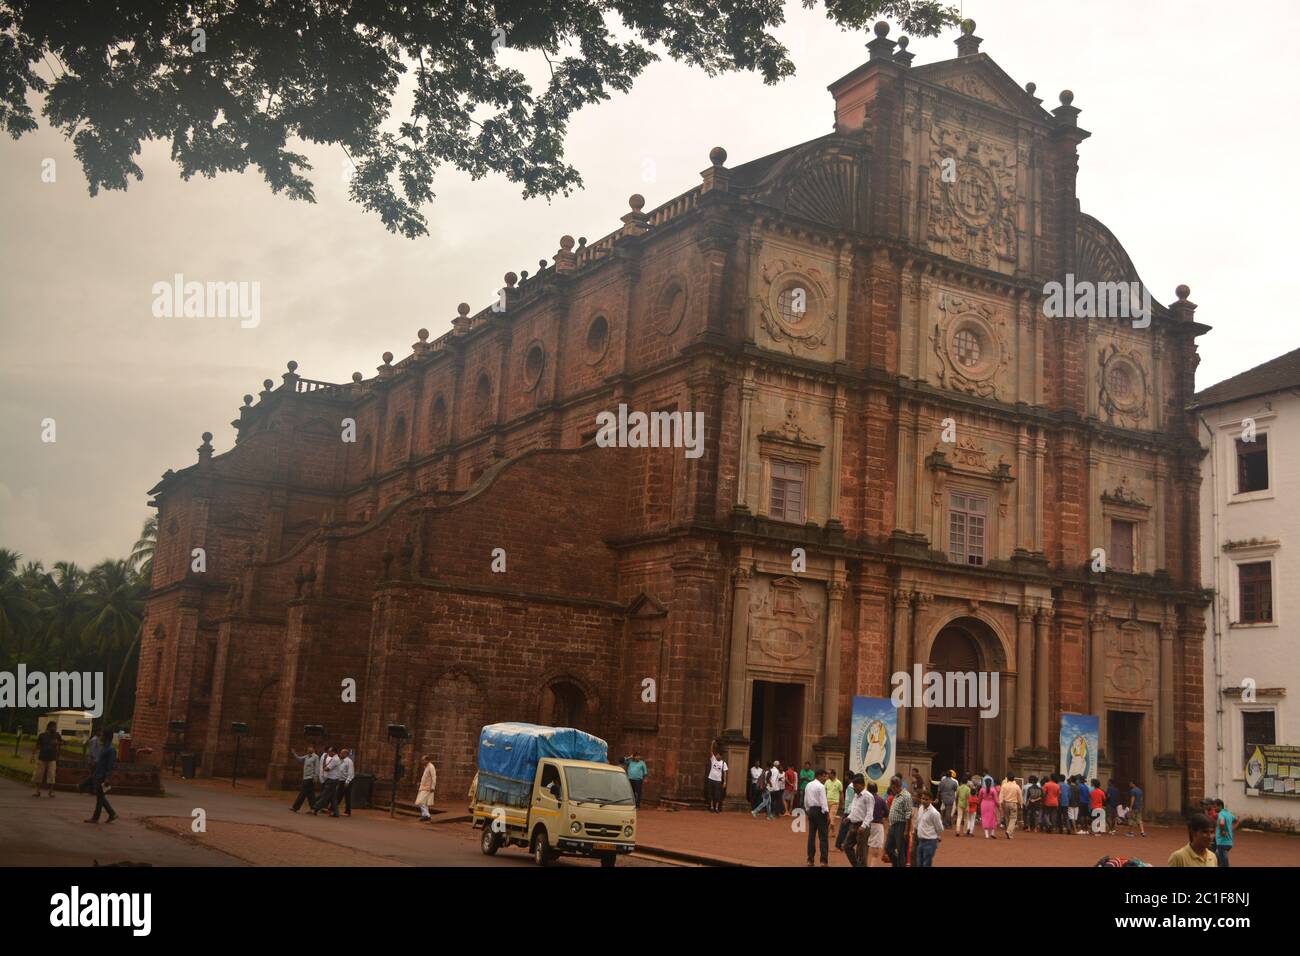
(1256, 580)
(967, 520)
(787, 499)
(1252, 464)
(1121, 545)
(1256, 728)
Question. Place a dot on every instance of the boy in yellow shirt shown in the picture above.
(1200, 834)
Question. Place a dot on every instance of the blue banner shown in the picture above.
(873, 737)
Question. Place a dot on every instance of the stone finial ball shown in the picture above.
(207, 436)
(523, 274)
(422, 335)
(541, 263)
(248, 399)
(968, 26)
(356, 376)
(1182, 292)
(510, 280)
(388, 357)
(717, 155)
(463, 308)
(1030, 88)
(1067, 97)
(293, 366)
(636, 201)
(902, 43)
(267, 383)
(566, 243)
(882, 29)
(582, 242)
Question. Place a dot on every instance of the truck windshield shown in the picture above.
(598, 786)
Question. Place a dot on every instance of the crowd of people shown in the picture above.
(906, 823)
(334, 771)
(100, 761)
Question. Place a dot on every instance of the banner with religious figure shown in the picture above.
(1080, 743)
(872, 739)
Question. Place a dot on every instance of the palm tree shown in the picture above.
(18, 612)
(64, 605)
(142, 553)
(116, 595)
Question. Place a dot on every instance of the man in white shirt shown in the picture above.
(929, 824)
(329, 771)
(859, 819)
(818, 812)
(717, 781)
(775, 786)
(347, 770)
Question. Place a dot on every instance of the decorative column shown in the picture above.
(1025, 669)
(739, 647)
(1010, 714)
(1097, 672)
(1166, 739)
(920, 715)
(838, 410)
(1040, 452)
(831, 691)
(747, 391)
(902, 656)
(1042, 674)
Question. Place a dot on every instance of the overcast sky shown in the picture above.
(1191, 110)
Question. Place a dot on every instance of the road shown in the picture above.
(240, 830)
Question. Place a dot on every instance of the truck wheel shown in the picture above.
(490, 842)
(608, 859)
(541, 850)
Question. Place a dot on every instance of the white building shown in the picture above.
(1250, 550)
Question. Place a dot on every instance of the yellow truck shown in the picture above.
(551, 790)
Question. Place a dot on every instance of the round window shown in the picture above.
(1119, 382)
(792, 304)
(533, 364)
(967, 347)
(597, 337)
(672, 308)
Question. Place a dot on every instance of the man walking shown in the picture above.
(347, 771)
(900, 819)
(310, 771)
(105, 764)
(1033, 804)
(1135, 798)
(45, 754)
(962, 799)
(948, 796)
(636, 774)
(853, 828)
(1012, 803)
(329, 794)
(818, 811)
(929, 826)
(834, 797)
(1225, 823)
(771, 792)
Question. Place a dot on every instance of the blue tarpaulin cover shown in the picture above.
(508, 755)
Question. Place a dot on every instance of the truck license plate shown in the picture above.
(605, 846)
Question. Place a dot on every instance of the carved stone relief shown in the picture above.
(970, 342)
(786, 623)
(1122, 387)
(973, 208)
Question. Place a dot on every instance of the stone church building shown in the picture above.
(859, 321)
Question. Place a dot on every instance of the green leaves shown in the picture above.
(266, 74)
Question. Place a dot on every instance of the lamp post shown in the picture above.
(396, 733)
(238, 728)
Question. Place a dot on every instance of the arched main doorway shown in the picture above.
(959, 738)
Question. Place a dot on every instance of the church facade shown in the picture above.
(907, 458)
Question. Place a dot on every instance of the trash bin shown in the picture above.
(363, 790)
(187, 766)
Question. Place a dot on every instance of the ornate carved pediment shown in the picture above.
(972, 198)
(1098, 255)
(790, 432)
(785, 626)
(1130, 661)
(1124, 494)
